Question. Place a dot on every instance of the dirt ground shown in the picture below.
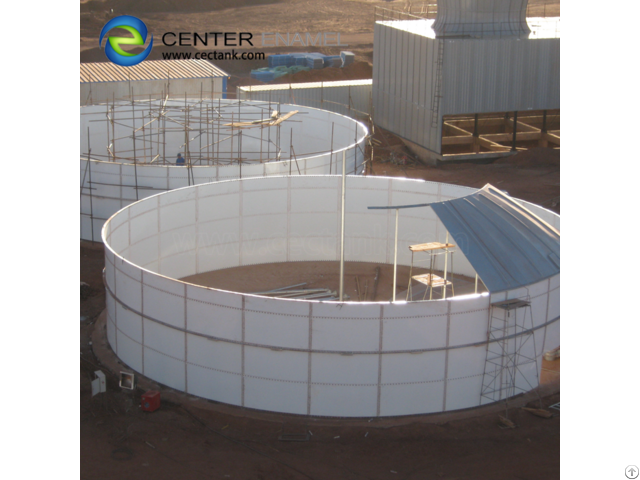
(261, 278)
(532, 175)
(180, 441)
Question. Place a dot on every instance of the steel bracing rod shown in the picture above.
(84, 176)
(400, 206)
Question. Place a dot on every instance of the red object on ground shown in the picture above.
(150, 401)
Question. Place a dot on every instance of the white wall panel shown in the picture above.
(273, 250)
(129, 351)
(129, 323)
(411, 399)
(304, 224)
(413, 367)
(276, 364)
(341, 401)
(164, 306)
(275, 396)
(169, 370)
(462, 362)
(128, 289)
(466, 328)
(111, 313)
(346, 327)
(178, 265)
(417, 328)
(109, 270)
(218, 244)
(144, 225)
(464, 392)
(275, 323)
(177, 240)
(167, 340)
(208, 383)
(214, 313)
(220, 356)
(144, 251)
(344, 369)
(313, 200)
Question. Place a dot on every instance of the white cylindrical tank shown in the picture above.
(303, 356)
(208, 134)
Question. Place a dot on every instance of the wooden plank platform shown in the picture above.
(434, 281)
(511, 304)
(425, 247)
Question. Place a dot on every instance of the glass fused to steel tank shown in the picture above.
(331, 358)
(129, 149)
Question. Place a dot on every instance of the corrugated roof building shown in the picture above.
(420, 76)
(104, 81)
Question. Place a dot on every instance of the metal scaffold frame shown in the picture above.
(507, 334)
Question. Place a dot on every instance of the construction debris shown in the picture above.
(375, 284)
(300, 294)
(552, 355)
(85, 291)
(538, 412)
(505, 422)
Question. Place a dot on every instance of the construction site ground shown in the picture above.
(190, 438)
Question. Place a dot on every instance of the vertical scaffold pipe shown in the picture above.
(344, 184)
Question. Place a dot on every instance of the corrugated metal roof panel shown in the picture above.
(298, 86)
(149, 70)
(507, 245)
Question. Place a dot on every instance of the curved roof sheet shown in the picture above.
(508, 245)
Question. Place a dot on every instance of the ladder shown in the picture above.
(437, 89)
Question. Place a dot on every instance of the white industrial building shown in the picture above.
(475, 58)
(106, 81)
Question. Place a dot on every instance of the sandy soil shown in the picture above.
(260, 278)
(532, 175)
